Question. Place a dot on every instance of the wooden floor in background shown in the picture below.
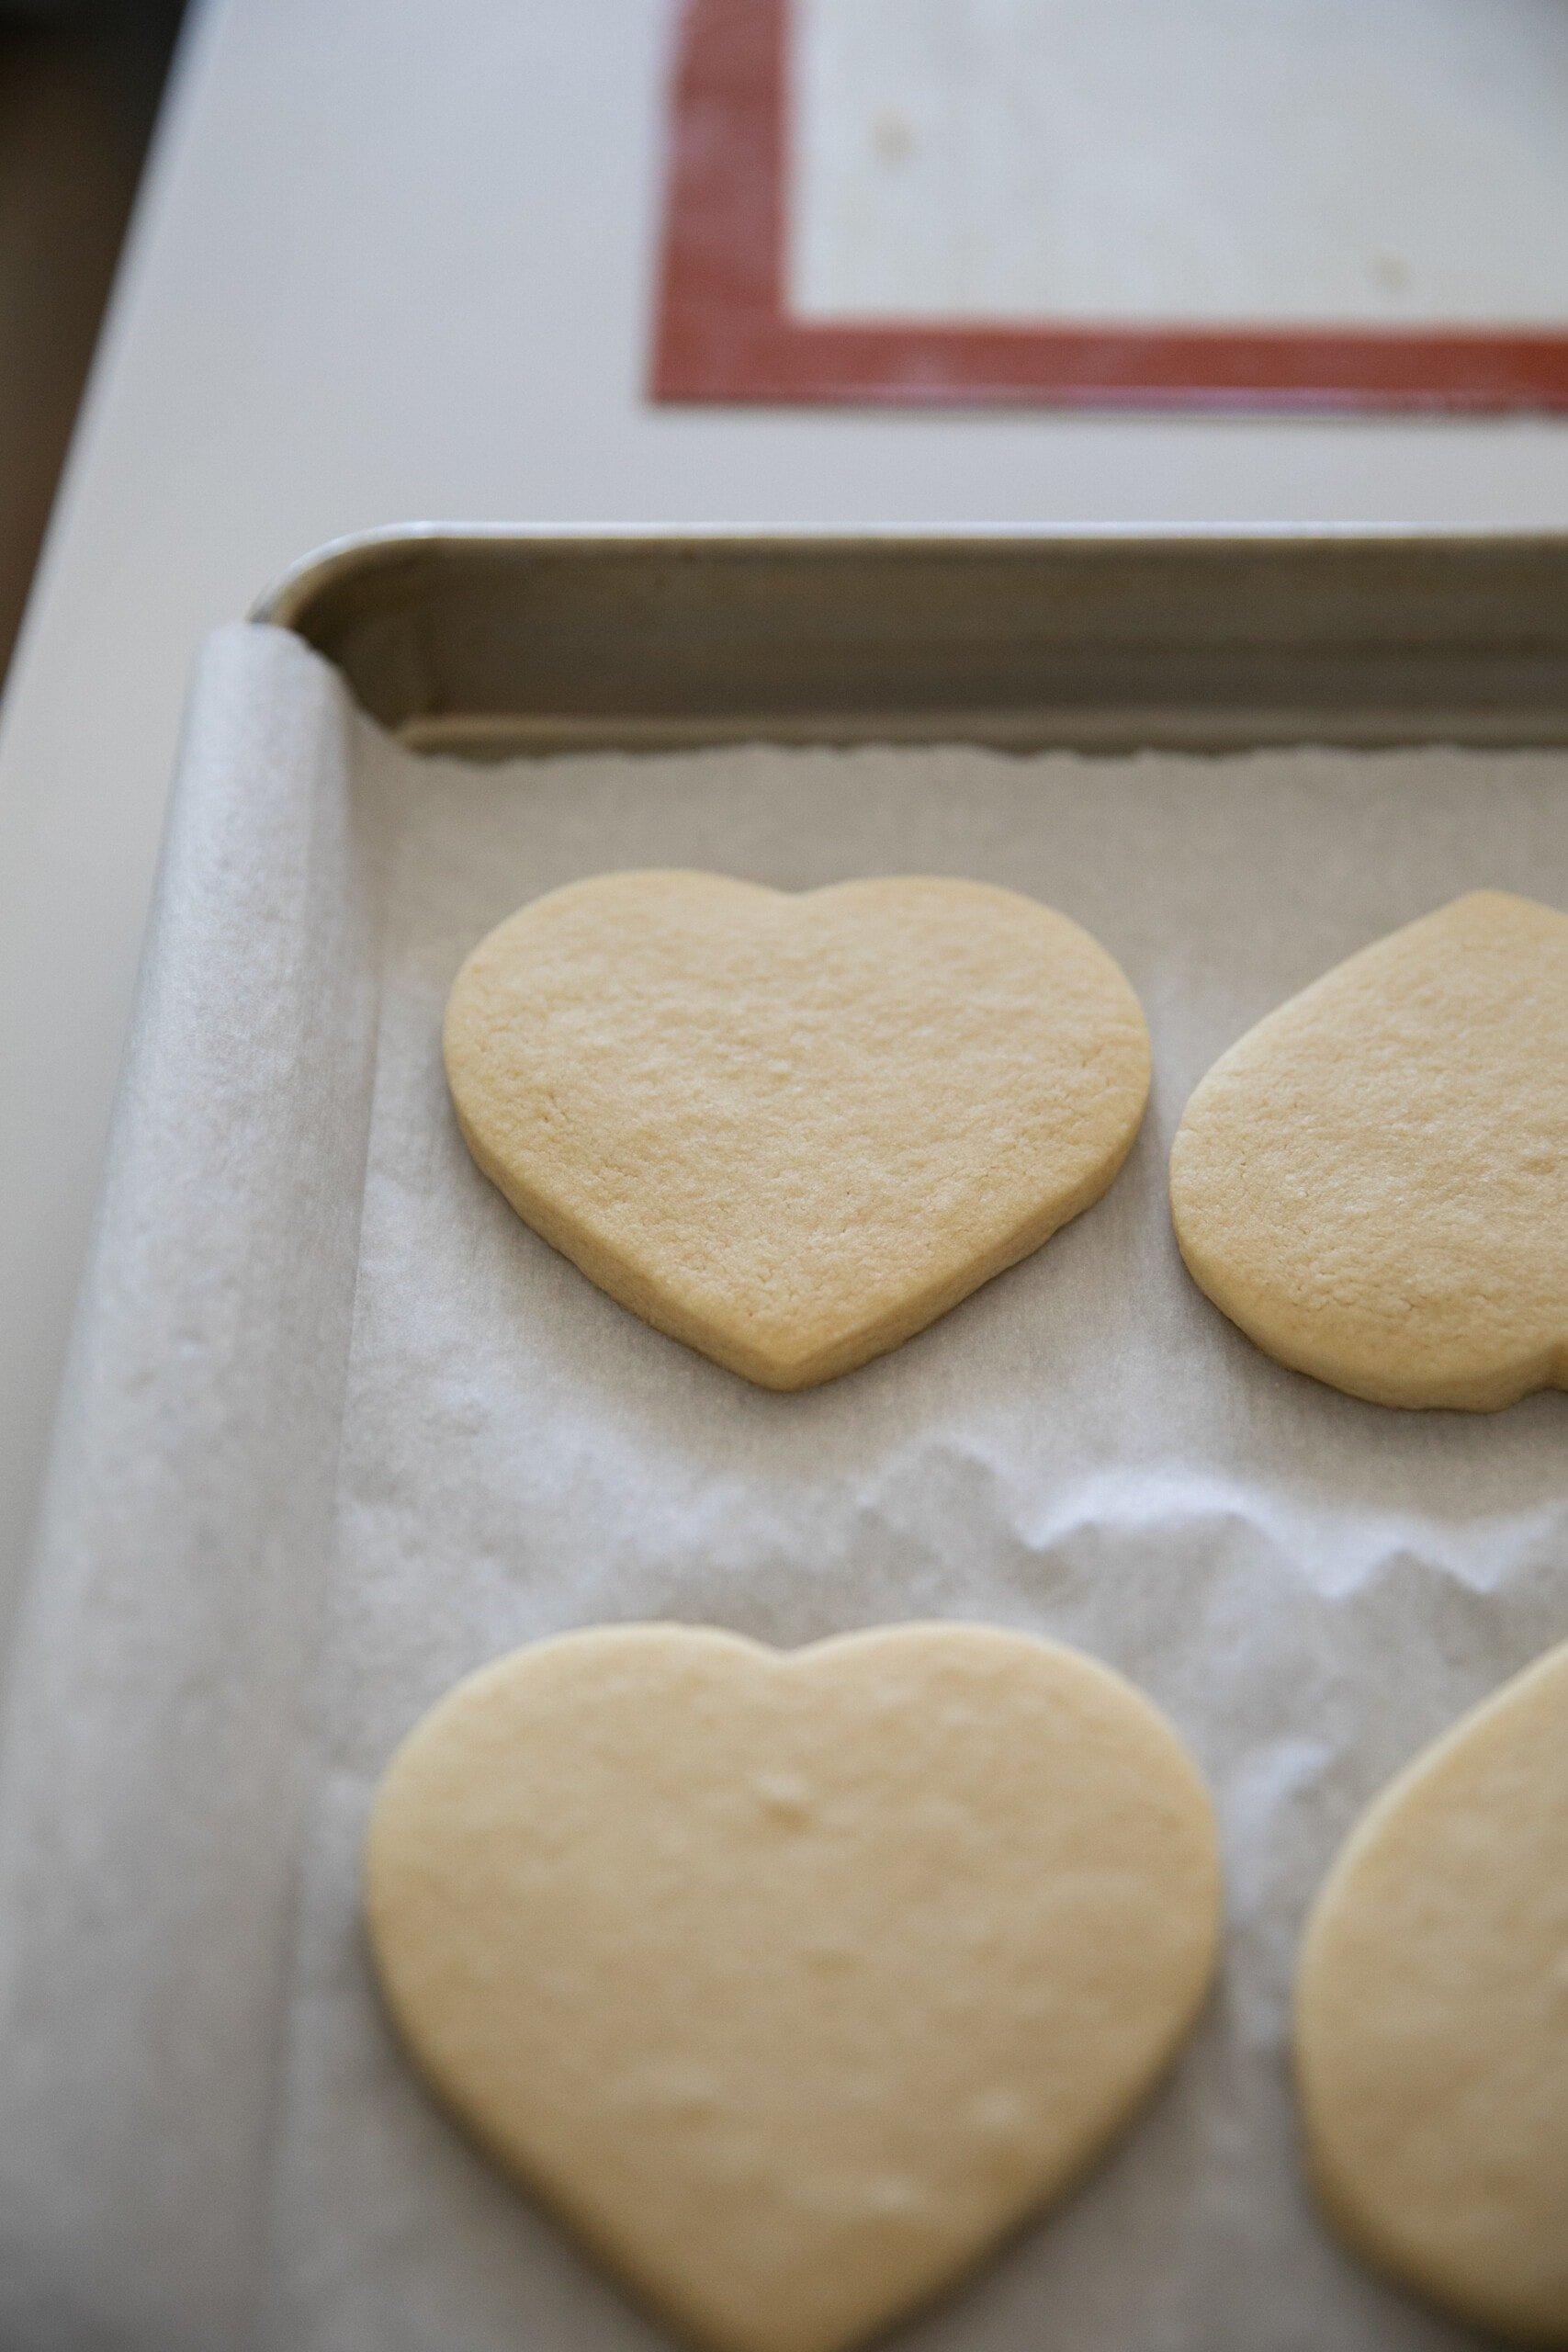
(79, 89)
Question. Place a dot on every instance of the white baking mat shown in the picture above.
(1367, 162)
(340, 1427)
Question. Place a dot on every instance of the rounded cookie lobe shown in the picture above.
(1373, 1182)
(793, 1980)
(1432, 2020)
(791, 1129)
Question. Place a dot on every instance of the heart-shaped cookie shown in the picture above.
(1432, 2019)
(1373, 1183)
(793, 1980)
(792, 1129)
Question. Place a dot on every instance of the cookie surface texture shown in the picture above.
(1432, 2020)
(792, 1129)
(793, 1980)
(1373, 1183)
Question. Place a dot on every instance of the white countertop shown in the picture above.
(392, 260)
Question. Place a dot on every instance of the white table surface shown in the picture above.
(393, 260)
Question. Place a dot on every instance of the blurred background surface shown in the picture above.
(79, 89)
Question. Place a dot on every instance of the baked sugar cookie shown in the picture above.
(1432, 2019)
(792, 1129)
(1374, 1182)
(793, 1980)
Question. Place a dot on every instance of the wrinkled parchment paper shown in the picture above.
(339, 1428)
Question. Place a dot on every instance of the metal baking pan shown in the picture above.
(475, 639)
(340, 1427)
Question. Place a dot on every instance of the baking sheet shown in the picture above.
(339, 1428)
